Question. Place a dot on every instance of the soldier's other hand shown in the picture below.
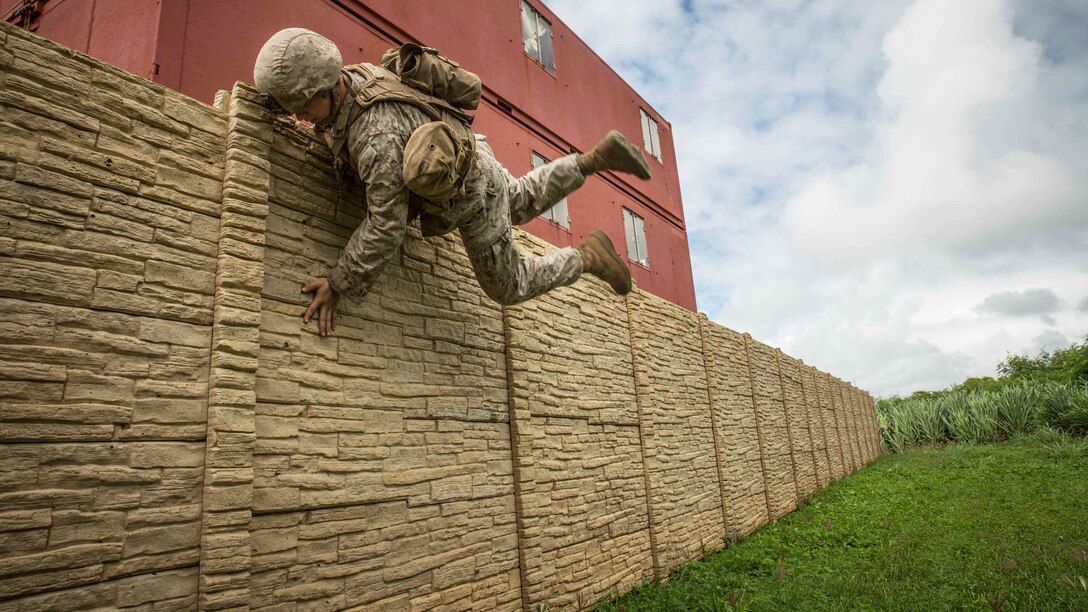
(323, 304)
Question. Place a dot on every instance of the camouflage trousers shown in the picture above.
(502, 201)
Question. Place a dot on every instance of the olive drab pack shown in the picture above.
(424, 69)
(440, 154)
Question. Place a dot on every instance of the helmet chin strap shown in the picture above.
(336, 98)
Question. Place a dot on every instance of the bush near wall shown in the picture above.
(980, 417)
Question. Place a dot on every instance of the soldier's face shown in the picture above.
(317, 109)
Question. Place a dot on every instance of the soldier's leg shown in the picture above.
(505, 274)
(510, 277)
(542, 188)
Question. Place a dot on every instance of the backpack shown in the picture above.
(424, 69)
(440, 154)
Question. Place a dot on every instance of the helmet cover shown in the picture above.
(295, 64)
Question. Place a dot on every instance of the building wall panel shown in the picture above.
(578, 456)
(108, 227)
(818, 422)
(802, 444)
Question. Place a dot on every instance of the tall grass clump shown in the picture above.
(912, 422)
(1017, 406)
(1045, 395)
(971, 418)
(1065, 407)
(984, 416)
(932, 422)
(1058, 444)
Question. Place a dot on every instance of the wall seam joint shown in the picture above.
(759, 428)
(726, 514)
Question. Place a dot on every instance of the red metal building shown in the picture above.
(546, 93)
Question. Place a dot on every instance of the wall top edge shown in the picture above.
(14, 31)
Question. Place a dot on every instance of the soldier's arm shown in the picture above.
(380, 234)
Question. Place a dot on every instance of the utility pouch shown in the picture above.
(437, 162)
(424, 69)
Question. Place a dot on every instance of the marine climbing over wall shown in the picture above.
(416, 155)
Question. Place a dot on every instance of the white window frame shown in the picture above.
(634, 228)
(651, 137)
(560, 213)
(536, 37)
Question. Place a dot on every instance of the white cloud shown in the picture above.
(859, 178)
(953, 164)
(1051, 339)
(1042, 303)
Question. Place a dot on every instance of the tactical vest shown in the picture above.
(382, 85)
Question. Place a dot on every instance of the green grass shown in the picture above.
(993, 527)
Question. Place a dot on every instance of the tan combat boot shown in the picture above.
(613, 152)
(599, 258)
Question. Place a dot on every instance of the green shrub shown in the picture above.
(932, 421)
(1061, 366)
(906, 423)
(970, 417)
(1057, 444)
(982, 417)
(1049, 390)
(1017, 406)
(1065, 407)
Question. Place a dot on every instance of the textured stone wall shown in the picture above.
(687, 517)
(850, 425)
(579, 466)
(172, 437)
(817, 425)
(774, 439)
(110, 189)
(801, 442)
(740, 457)
(825, 391)
(383, 470)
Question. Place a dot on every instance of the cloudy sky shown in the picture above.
(895, 191)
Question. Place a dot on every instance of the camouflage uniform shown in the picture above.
(493, 202)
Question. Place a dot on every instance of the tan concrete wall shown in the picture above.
(109, 201)
(172, 437)
(581, 478)
(840, 462)
(797, 415)
(383, 471)
(740, 459)
(818, 424)
(687, 517)
(850, 422)
(775, 445)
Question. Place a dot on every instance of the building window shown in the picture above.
(556, 214)
(536, 35)
(635, 228)
(649, 135)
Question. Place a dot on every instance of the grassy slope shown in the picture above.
(989, 527)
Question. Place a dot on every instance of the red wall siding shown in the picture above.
(120, 32)
(124, 31)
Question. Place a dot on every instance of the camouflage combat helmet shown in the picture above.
(295, 64)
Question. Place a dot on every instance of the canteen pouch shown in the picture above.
(436, 162)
